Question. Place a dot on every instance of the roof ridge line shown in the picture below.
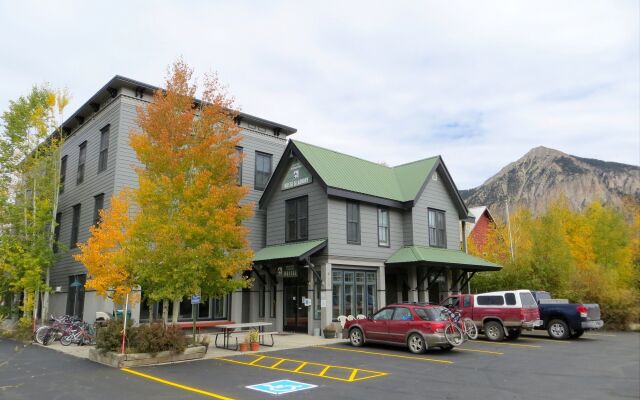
(343, 154)
(416, 161)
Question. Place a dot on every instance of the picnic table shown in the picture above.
(229, 329)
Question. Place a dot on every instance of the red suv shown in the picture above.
(417, 326)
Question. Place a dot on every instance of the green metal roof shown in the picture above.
(342, 171)
(454, 259)
(297, 250)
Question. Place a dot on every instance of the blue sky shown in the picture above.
(480, 83)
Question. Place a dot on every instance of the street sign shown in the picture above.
(195, 299)
(281, 387)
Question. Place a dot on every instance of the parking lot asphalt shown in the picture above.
(597, 366)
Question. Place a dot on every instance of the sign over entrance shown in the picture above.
(297, 175)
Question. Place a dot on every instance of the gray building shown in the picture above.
(97, 161)
(333, 234)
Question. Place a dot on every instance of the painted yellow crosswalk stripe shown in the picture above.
(327, 371)
(376, 353)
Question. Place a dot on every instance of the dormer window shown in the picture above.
(437, 229)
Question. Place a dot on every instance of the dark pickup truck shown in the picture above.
(563, 320)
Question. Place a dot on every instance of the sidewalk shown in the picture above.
(282, 342)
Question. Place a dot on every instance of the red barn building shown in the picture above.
(478, 231)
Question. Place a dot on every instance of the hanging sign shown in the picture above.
(290, 271)
(297, 175)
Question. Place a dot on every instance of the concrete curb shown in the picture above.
(117, 360)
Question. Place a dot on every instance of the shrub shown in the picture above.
(24, 330)
(156, 337)
(149, 338)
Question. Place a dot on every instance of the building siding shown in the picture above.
(94, 183)
(368, 247)
(317, 206)
(435, 195)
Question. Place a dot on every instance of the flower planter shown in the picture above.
(255, 346)
(244, 346)
(118, 360)
(329, 334)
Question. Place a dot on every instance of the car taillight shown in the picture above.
(583, 311)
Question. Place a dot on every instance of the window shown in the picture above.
(467, 301)
(75, 295)
(437, 231)
(383, 227)
(104, 149)
(510, 298)
(56, 232)
(431, 314)
(354, 292)
(384, 315)
(75, 226)
(82, 157)
(98, 204)
(490, 300)
(296, 227)
(402, 314)
(528, 301)
(263, 170)
(239, 177)
(63, 172)
(451, 302)
(353, 222)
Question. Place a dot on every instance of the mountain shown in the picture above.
(543, 174)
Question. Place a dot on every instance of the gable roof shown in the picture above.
(348, 176)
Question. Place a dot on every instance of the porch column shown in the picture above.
(413, 284)
(382, 288)
(236, 306)
(423, 294)
(326, 297)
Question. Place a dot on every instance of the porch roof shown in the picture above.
(445, 258)
(297, 250)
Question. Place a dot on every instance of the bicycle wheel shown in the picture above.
(470, 329)
(41, 333)
(65, 340)
(453, 334)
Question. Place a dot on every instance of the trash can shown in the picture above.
(119, 313)
(316, 331)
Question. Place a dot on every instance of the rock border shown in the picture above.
(117, 360)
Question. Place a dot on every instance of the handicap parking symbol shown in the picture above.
(281, 386)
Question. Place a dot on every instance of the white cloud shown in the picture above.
(478, 82)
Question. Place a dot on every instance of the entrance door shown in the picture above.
(295, 312)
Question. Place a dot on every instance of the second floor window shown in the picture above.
(82, 157)
(296, 215)
(63, 172)
(437, 230)
(383, 227)
(104, 149)
(263, 170)
(98, 204)
(353, 222)
(75, 226)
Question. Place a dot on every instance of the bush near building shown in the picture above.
(148, 338)
(587, 256)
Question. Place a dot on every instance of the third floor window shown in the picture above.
(82, 158)
(103, 159)
(263, 170)
(63, 172)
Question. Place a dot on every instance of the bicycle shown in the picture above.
(452, 331)
(81, 334)
(58, 327)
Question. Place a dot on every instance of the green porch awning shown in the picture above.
(446, 258)
(297, 250)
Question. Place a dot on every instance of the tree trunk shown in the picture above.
(176, 311)
(150, 305)
(165, 311)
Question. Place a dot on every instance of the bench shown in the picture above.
(235, 334)
(201, 324)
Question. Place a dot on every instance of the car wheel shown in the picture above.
(558, 329)
(356, 337)
(514, 334)
(577, 334)
(494, 331)
(416, 343)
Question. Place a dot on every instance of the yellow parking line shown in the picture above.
(375, 353)
(353, 374)
(532, 346)
(257, 359)
(496, 353)
(300, 367)
(277, 363)
(177, 385)
(599, 334)
(324, 371)
(546, 340)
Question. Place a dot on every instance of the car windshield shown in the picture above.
(431, 314)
